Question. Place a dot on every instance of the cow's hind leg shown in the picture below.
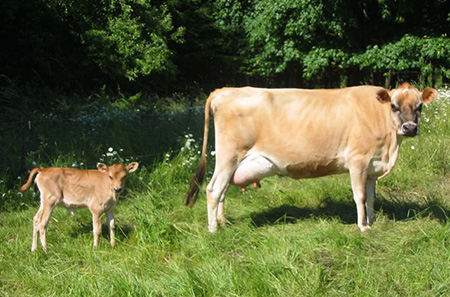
(215, 193)
(221, 208)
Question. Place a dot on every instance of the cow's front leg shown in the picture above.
(370, 194)
(359, 178)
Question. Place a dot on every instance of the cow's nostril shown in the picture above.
(404, 128)
(117, 190)
(410, 129)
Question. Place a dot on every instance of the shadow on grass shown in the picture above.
(346, 212)
(122, 230)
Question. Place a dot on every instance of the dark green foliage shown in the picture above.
(177, 46)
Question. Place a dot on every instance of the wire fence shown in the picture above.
(86, 137)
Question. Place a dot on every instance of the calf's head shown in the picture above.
(117, 174)
(406, 107)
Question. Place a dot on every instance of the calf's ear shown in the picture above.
(383, 96)
(102, 167)
(428, 95)
(132, 166)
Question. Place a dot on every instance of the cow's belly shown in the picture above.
(256, 167)
(315, 168)
(252, 169)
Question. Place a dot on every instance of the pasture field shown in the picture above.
(289, 238)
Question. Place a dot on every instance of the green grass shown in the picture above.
(289, 238)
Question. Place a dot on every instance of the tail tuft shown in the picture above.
(196, 181)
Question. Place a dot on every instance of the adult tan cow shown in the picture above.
(304, 134)
(72, 188)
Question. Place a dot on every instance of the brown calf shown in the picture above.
(97, 190)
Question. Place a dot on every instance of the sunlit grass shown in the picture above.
(289, 238)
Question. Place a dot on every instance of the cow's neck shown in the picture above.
(394, 147)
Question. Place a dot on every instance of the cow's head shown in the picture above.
(117, 174)
(406, 106)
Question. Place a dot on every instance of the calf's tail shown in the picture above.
(30, 179)
(199, 176)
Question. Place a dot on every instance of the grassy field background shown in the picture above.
(289, 238)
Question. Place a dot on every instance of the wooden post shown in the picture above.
(388, 82)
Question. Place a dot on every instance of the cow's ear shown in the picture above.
(102, 167)
(383, 96)
(132, 167)
(428, 95)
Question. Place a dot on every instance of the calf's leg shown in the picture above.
(97, 226)
(36, 221)
(111, 224)
(41, 223)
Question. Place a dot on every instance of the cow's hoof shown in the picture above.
(364, 228)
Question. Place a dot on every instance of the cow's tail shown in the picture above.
(199, 176)
(30, 178)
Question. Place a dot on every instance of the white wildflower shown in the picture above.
(413, 147)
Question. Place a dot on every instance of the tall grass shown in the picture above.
(289, 238)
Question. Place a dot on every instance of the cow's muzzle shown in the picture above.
(410, 129)
(117, 190)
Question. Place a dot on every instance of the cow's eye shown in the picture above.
(419, 108)
(394, 108)
(110, 177)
